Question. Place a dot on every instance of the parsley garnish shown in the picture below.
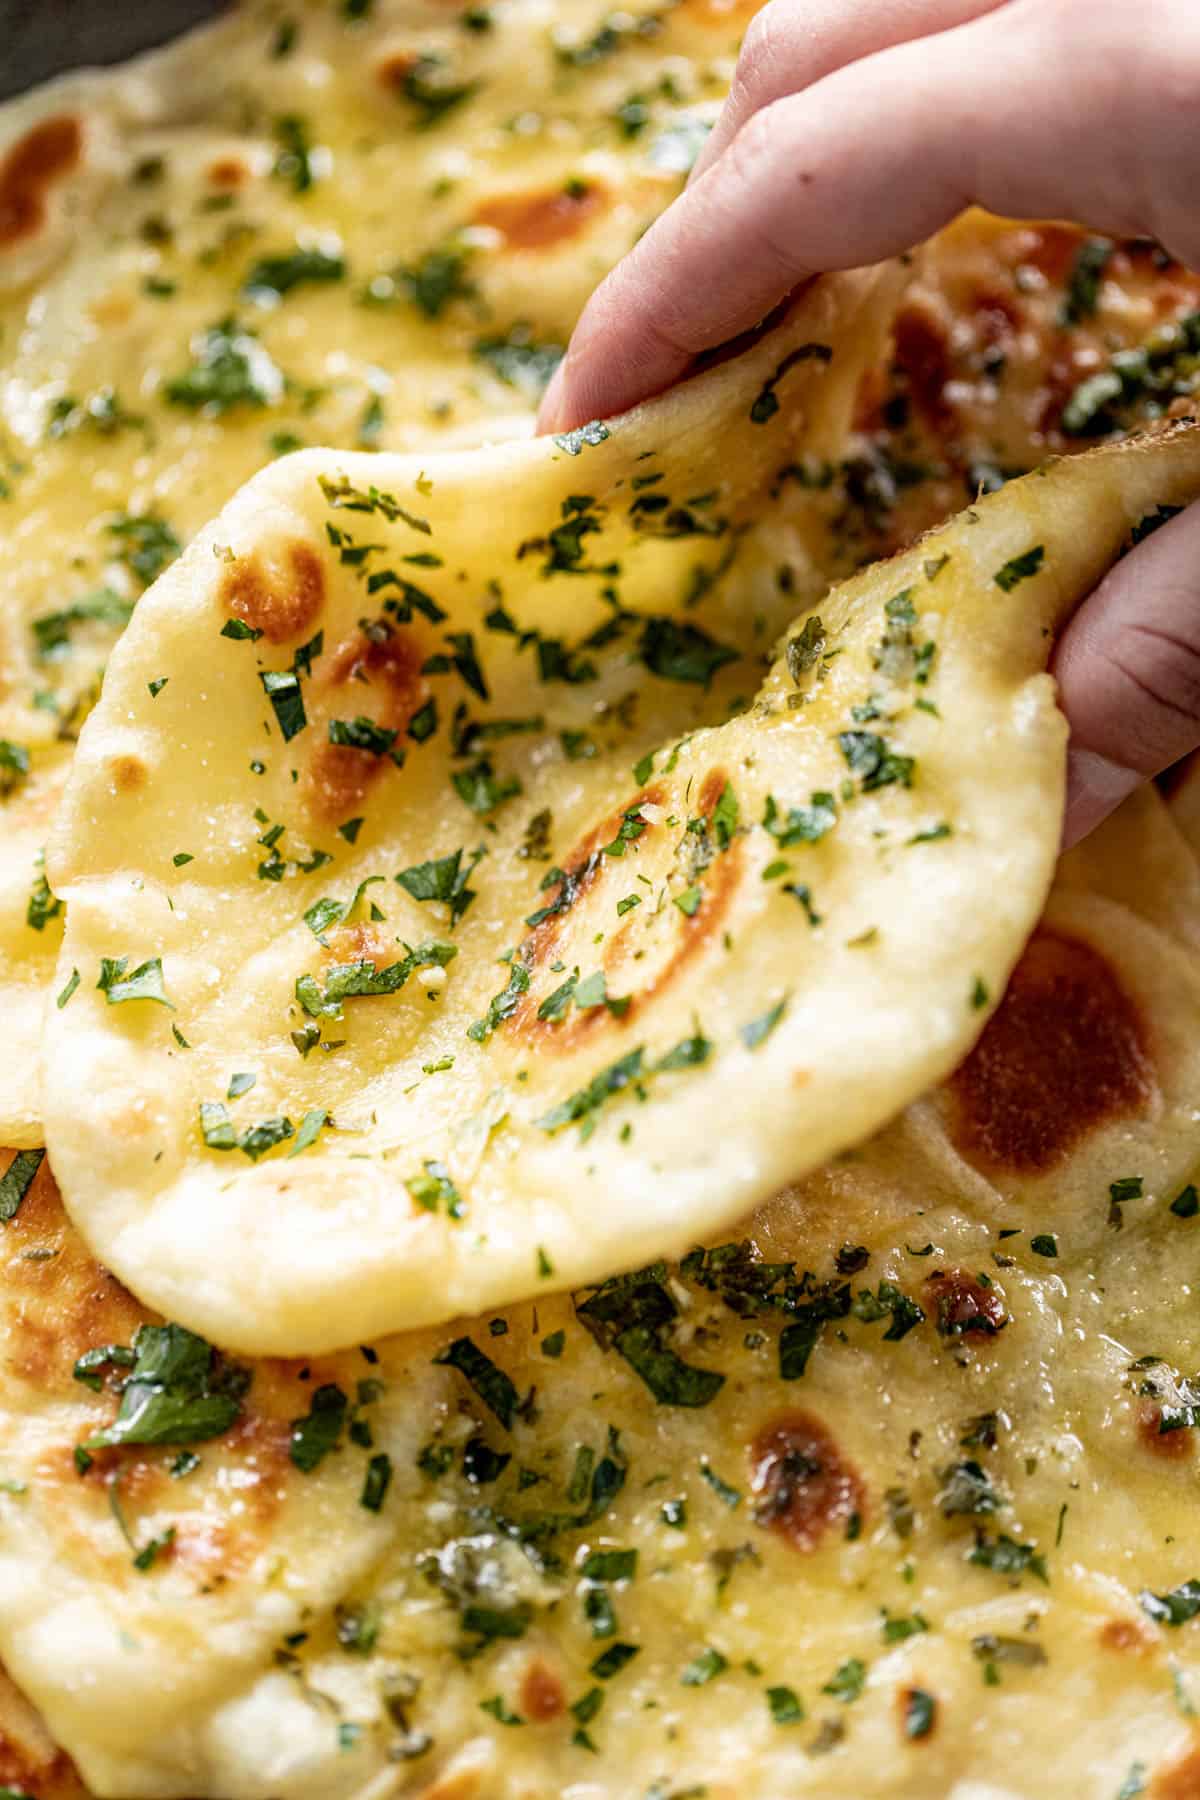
(685, 652)
(16, 1182)
(1006, 1557)
(230, 369)
(766, 404)
(1020, 568)
(315, 1435)
(274, 276)
(802, 824)
(178, 1391)
(145, 982)
(786, 1706)
(445, 879)
(348, 981)
(492, 1385)
(758, 1030)
(1173, 1608)
(869, 757)
(282, 688)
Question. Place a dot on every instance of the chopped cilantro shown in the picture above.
(920, 1711)
(1020, 568)
(1006, 1557)
(16, 1182)
(786, 1706)
(847, 1681)
(704, 1668)
(434, 1190)
(492, 1385)
(766, 403)
(758, 1030)
(230, 368)
(144, 983)
(178, 1391)
(282, 688)
(315, 1435)
(274, 276)
(1174, 1608)
(869, 757)
(684, 652)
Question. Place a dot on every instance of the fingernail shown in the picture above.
(551, 407)
(1096, 786)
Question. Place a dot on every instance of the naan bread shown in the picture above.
(829, 889)
(369, 226)
(893, 1499)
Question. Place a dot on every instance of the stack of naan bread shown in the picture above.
(590, 1214)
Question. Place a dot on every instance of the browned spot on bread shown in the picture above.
(581, 869)
(1180, 1780)
(963, 1306)
(803, 1485)
(1171, 1446)
(691, 932)
(127, 774)
(542, 1695)
(281, 606)
(228, 172)
(1123, 1635)
(58, 1301)
(923, 352)
(47, 152)
(543, 220)
(362, 942)
(1064, 1054)
(374, 676)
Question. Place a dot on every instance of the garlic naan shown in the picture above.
(338, 1061)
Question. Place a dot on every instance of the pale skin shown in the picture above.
(857, 128)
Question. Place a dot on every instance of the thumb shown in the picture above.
(1128, 669)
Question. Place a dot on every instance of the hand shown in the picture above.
(856, 129)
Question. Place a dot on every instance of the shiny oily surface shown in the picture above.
(900, 1507)
(370, 227)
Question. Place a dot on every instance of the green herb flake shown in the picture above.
(1020, 568)
(1187, 1203)
(144, 983)
(282, 688)
(760, 1029)
(16, 1182)
(315, 1435)
(704, 1668)
(920, 1712)
(847, 1681)
(1174, 1608)
(178, 1392)
(492, 1385)
(786, 1706)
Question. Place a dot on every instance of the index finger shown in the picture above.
(877, 157)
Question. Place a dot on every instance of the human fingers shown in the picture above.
(977, 113)
(1128, 671)
(790, 44)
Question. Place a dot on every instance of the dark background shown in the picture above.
(39, 38)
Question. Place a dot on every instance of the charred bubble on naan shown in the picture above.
(889, 1494)
(367, 227)
(443, 689)
(797, 920)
